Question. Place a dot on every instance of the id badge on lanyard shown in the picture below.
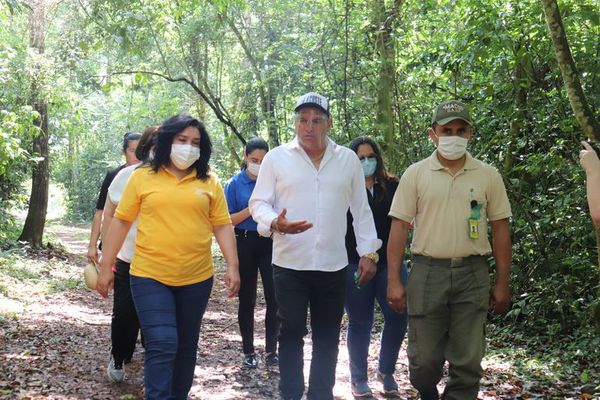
(473, 220)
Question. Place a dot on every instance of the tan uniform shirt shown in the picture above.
(440, 206)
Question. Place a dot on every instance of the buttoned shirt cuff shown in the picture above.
(263, 230)
(264, 220)
(370, 246)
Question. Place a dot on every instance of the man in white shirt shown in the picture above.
(303, 191)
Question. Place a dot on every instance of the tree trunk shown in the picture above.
(269, 115)
(568, 69)
(33, 229)
(589, 125)
(232, 147)
(521, 84)
(266, 92)
(385, 46)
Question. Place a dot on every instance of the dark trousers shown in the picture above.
(323, 293)
(124, 326)
(170, 317)
(254, 254)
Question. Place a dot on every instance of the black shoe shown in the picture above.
(271, 359)
(250, 361)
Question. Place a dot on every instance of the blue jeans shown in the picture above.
(170, 318)
(360, 305)
(323, 293)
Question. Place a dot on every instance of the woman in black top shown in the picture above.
(360, 301)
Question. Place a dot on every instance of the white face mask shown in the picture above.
(253, 168)
(184, 155)
(452, 147)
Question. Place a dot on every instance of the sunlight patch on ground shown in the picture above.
(10, 305)
(58, 309)
(497, 362)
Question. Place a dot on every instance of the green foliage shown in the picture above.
(16, 128)
(63, 285)
(14, 162)
(571, 357)
(86, 174)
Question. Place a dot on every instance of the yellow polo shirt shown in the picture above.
(440, 206)
(175, 229)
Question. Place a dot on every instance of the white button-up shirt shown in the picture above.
(288, 179)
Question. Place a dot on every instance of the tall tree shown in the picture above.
(266, 92)
(583, 113)
(33, 229)
(384, 18)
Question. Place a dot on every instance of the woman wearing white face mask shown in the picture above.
(360, 300)
(254, 253)
(180, 205)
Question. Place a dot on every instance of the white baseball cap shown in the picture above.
(313, 99)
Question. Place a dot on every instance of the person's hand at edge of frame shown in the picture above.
(499, 299)
(396, 297)
(283, 225)
(232, 281)
(588, 157)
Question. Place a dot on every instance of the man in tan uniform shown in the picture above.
(450, 197)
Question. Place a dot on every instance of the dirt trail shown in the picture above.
(57, 345)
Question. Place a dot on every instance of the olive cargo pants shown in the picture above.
(447, 309)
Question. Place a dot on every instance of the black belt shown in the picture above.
(448, 262)
(245, 233)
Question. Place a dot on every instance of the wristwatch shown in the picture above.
(373, 256)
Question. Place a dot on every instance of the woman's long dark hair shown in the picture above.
(164, 139)
(255, 143)
(382, 177)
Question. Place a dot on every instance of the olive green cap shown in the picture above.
(449, 111)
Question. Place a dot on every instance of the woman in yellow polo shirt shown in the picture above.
(181, 205)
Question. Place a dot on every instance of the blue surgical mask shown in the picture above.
(369, 165)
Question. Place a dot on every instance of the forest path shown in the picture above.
(54, 339)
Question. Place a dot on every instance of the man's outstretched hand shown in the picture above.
(283, 225)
